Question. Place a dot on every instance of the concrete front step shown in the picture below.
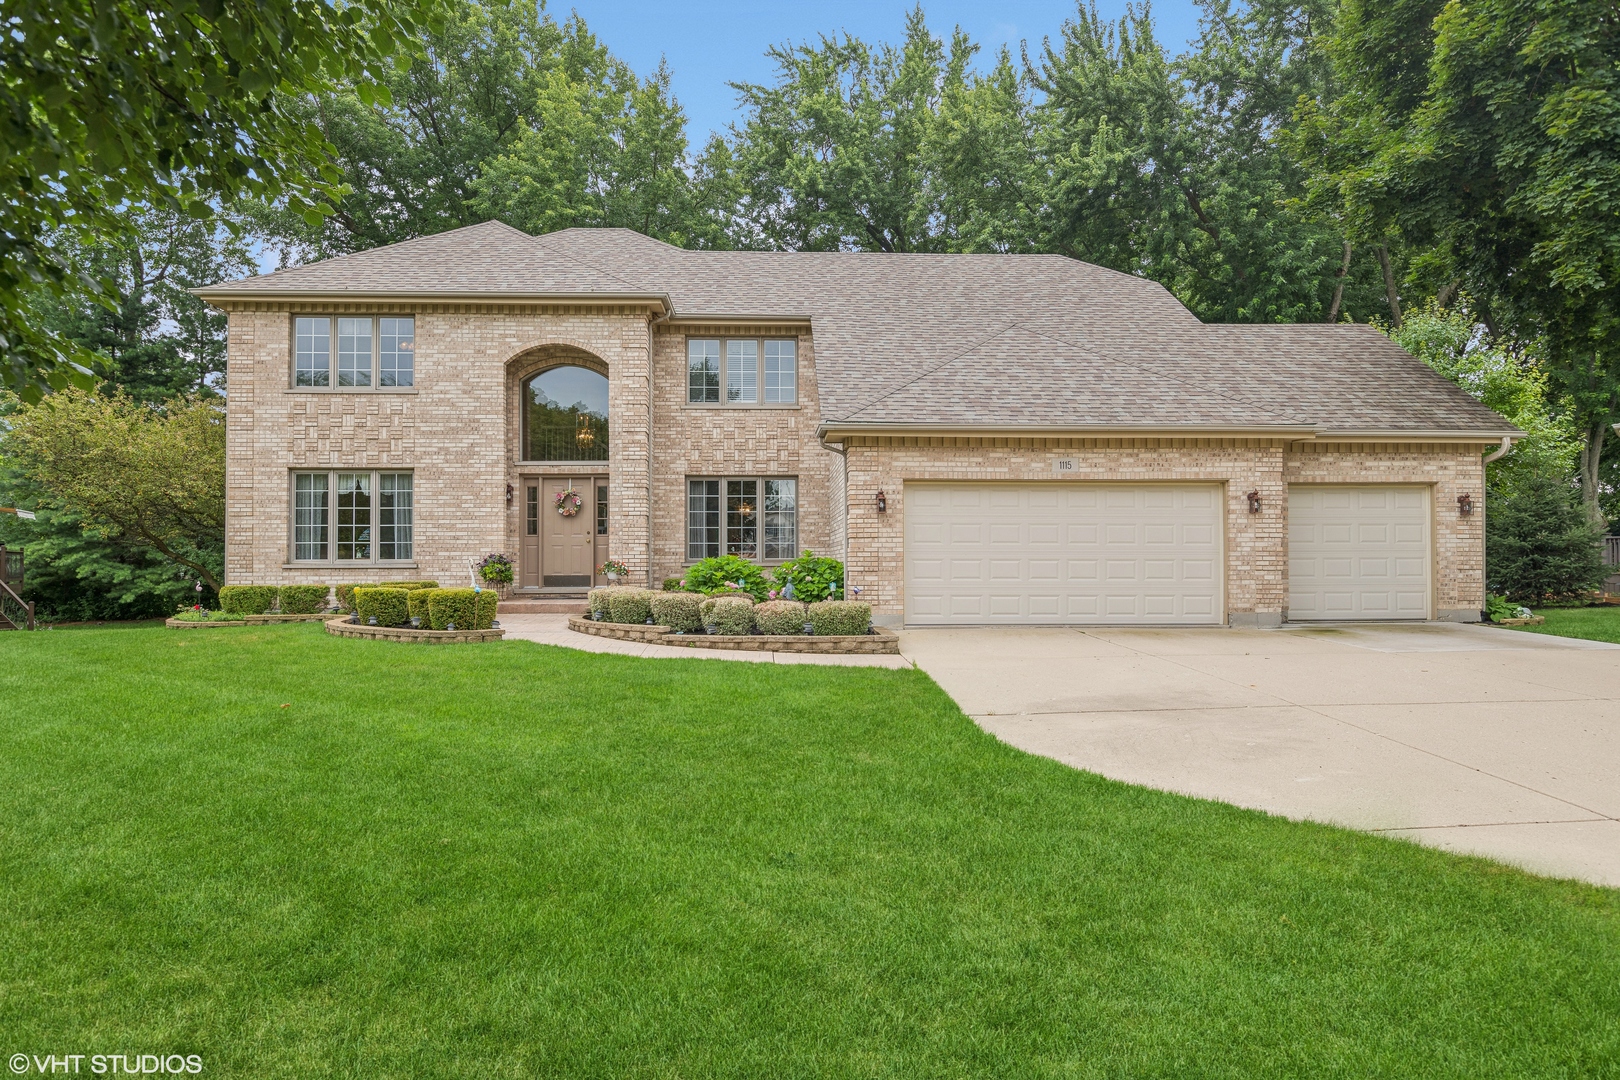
(561, 605)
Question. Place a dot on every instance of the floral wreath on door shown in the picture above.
(567, 502)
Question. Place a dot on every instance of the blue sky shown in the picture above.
(711, 42)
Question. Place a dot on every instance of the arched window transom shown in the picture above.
(565, 415)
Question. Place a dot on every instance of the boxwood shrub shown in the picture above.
(678, 610)
(247, 599)
(463, 607)
(408, 584)
(416, 603)
(389, 606)
(630, 605)
(840, 617)
(302, 599)
(345, 593)
(729, 614)
(780, 617)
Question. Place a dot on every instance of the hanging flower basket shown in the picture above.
(567, 502)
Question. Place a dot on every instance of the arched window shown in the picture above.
(565, 415)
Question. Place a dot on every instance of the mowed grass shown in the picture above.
(517, 861)
(1592, 623)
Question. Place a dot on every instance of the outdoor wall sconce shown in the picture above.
(1254, 501)
(1465, 505)
(882, 503)
(508, 494)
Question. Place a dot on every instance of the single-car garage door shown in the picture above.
(1358, 552)
(1063, 553)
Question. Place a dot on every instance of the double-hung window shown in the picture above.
(353, 516)
(755, 517)
(354, 352)
(742, 371)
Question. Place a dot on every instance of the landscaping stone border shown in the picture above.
(1534, 620)
(277, 617)
(344, 628)
(176, 624)
(882, 641)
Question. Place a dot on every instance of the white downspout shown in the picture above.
(1501, 451)
(1495, 455)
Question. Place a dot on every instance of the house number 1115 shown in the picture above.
(1065, 465)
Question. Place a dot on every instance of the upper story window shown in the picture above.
(565, 415)
(354, 351)
(752, 371)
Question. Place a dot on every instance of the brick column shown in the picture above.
(630, 450)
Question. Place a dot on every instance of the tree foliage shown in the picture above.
(1488, 134)
(137, 474)
(1539, 546)
(188, 105)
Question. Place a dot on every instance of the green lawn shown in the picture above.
(1593, 623)
(302, 856)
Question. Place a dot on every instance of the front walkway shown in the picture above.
(1471, 738)
(553, 630)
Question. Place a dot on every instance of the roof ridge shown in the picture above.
(397, 244)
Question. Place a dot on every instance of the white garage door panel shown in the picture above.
(1358, 552)
(1063, 553)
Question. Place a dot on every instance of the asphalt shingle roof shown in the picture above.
(947, 340)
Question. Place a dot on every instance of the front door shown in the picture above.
(559, 550)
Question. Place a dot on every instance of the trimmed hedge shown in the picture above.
(247, 599)
(781, 617)
(345, 593)
(416, 603)
(729, 614)
(630, 605)
(466, 609)
(390, 607)
(678, 610)
(602, 600)
(840, 617)
(302, 599)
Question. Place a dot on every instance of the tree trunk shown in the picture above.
(1591, 458)
(1389, 286)
(1338, 285)
(1442, 299)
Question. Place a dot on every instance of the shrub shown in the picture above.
(416, 605)
(466, 609)
(724, 574)
(302, 599)
(597, 601)
(840, 617)
(812, 578)
(387, 605)
(678, 610)
(1498, 608)
(781, 617)
(451, 607)
(729, 614)
(674, 584)
(1539, 547)
(247, 599)
(630, 605)
(345, 593)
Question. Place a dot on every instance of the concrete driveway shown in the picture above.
(1471, 738)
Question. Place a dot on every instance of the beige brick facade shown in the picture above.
(459, 431)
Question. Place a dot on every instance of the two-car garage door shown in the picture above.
(1063, 553)
(1122, 554)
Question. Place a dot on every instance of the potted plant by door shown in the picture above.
(614, 570)
(496, 570)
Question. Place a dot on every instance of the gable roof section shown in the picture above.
(952, 341)
(478, 260)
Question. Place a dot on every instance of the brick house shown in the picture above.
(981, 438)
